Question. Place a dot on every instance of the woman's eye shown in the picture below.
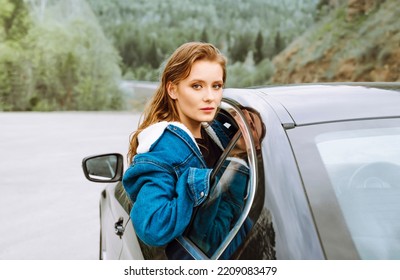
(196, 86)
(218, 86)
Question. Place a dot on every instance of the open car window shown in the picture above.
(122, 197)
(221, 223)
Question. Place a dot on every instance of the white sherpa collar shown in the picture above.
(151, 134)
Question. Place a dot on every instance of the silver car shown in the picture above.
(324, 183)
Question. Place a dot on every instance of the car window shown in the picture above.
(364, 168)
(122, 197)
(351, 173)
(220, 224)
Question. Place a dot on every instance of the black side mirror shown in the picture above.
(105, 168)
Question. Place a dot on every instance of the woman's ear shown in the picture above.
(171, 89)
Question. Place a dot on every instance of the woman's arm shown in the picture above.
(162, 203)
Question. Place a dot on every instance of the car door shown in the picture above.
(111, 217)
(129, 243)
(117, 237)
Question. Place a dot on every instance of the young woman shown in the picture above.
(175, 147)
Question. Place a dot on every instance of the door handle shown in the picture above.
(119, 227)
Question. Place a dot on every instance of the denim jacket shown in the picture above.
(167, 179)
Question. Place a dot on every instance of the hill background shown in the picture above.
(358, 40)
(59, 55)
(266, 42)
(249, 32)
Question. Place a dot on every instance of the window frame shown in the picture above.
(230, 105)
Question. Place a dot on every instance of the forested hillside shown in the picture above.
(249, 32)
(73, 54)
(358, 40)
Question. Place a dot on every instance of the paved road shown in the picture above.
(48, 210)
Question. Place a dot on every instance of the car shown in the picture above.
(324, 177)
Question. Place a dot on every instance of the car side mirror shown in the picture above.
(105, 168)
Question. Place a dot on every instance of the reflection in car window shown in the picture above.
(219, 214)
(221, 223)
(364, 168)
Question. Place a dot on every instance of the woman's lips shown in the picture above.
(207, 109)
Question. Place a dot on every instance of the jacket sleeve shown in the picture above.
(162, 203)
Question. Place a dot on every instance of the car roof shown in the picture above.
(307, 104)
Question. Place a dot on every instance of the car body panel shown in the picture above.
(288, 202)
(308, 104)
(111, 243)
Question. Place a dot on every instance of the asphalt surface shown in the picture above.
(48, 210)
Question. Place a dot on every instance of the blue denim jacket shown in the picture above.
(166, 180)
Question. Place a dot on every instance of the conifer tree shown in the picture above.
(259, 48)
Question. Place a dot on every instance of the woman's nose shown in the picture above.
(208, 95)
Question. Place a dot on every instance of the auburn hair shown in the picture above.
(161, 106)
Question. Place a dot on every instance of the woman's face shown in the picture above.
(198, 96)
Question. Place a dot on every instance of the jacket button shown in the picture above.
(201, 194)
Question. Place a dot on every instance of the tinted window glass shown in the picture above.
(215, 218)
(364, 168)
(221, 224)
(122, 197)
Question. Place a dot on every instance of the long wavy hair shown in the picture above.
(161, 106)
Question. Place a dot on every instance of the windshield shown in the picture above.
(361, 163)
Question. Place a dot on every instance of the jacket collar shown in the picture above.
(153, 132)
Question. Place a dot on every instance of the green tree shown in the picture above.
(204, 36)
(54, 56)
(13, 19)
(240, 48)
(278, 43)
(74, 65)
(14, 25)
(152, 56)
(259, 48)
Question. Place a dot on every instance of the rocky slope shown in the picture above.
(357, 41)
